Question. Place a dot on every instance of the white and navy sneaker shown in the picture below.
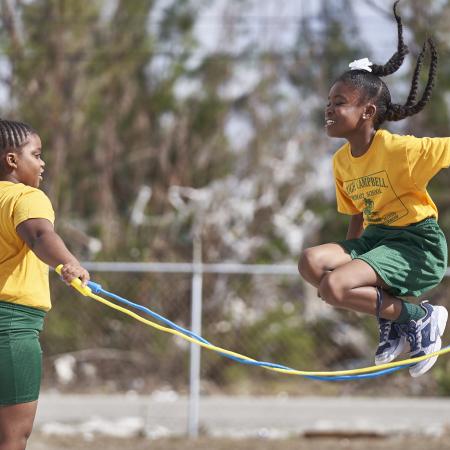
(424, 337)
(392, 342)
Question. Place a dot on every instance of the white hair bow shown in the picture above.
(361, 64)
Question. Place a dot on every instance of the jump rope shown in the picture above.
(92, 290)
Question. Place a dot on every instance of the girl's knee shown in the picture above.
(308, 264)
(331, 290)
(15, 438)
(15, 442)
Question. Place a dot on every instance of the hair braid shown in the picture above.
(399, 112)
(432, 71)
(412, 97)
(3, 137)
(13, 134)
(373, 89)
(398, 57)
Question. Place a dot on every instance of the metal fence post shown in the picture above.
(195, 350)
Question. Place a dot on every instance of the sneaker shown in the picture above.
(392, 342)
(424, 337)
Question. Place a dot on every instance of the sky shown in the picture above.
(272, 23)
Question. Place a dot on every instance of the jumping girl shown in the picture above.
(394, 247)
(28, 245)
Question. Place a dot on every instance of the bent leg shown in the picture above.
(317, 261)
(352, 286)
(16, 423)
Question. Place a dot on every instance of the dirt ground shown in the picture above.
(40, 442)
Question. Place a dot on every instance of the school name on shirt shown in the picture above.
(373, 195)
(363, 183)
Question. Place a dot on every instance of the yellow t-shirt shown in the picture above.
(388, 184)
(23, 276)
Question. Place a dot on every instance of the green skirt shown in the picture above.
(410, 260)
(20, 353)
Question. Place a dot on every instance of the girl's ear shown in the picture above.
(11, 160)
(369, 111)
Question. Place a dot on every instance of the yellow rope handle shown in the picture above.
(87, 292)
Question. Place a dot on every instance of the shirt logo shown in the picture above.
(374, 195)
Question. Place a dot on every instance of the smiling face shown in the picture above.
(346, 112)
(26, 164)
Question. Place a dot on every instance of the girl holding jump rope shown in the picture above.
(28, 245)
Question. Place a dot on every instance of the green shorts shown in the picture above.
(20, 353)
(411, 260)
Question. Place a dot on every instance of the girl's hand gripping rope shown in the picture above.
(76, 276)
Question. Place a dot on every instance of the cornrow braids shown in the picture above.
(13, 134)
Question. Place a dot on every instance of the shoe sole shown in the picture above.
(442, 321)
(398, 351)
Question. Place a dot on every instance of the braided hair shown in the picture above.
(374, 89)
(13, 135)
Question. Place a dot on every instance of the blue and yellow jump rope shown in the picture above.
(93, 289)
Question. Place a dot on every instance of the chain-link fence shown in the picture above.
(264, 312)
